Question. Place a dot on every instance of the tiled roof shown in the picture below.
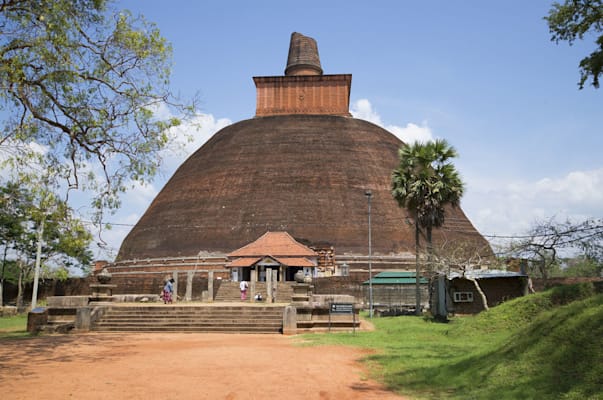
(244, 262)
(276, 244)
(286, 261)
(295, 262)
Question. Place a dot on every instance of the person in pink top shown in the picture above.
(243, 285)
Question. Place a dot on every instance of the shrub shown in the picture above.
(568, 293)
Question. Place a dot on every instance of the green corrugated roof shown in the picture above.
(395, 278)
(395, 274)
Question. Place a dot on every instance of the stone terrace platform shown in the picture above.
(191, 317)
(75, 313)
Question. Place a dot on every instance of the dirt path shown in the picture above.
(181, 366)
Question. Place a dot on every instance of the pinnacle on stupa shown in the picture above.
(303, 56)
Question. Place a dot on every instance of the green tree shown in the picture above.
(59, 239)
(46, 235)
(583, 266)
(67, 241)
(13, 203)
(425, 183)
(81, 84)
(573, 20)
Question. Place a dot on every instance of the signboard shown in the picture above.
(342, 308)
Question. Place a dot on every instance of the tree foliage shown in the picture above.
(12, 223)
(576, 19)
(426, 181)
(81, 87)
(65, 239)
(13, 201)
(583, 266)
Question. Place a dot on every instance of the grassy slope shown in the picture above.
(543, 346)
(13, 327)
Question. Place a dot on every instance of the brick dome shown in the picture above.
(303, 174)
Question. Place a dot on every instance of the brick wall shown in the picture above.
(149, 284)
(69, 287)
(313, 95)
(463, 285)
(351, 285)
(497, 290)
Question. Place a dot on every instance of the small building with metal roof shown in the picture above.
(458, 293)
(396, 290)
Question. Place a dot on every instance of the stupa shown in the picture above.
(302, 166)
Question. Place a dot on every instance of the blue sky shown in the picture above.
(483, 75)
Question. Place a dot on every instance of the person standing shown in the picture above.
(168, 290)
(243, 286)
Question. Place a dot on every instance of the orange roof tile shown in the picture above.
(275, 244)
(243, 262)
(286, 261)
(295, 262)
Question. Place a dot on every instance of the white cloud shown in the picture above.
(411, 132)
(140, 195)
(511, 208)
(188, 137)
(362, 109)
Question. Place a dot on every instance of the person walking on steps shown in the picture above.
(168, 290)
(243, 286)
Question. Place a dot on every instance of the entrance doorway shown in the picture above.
(240, 274)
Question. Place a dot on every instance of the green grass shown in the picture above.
(13, 327)
(543, 346)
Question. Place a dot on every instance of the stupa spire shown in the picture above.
(303, 56)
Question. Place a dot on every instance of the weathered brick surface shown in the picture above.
(313, 95)
(350, 285)
(303, 56)
(303, 174)
(497, 290)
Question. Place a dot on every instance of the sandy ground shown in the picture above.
(181, 366)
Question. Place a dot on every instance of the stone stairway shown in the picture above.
(230, 291)
(190, 318)
(60, 320)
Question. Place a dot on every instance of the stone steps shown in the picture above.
(171, 309)
(230, 292)
(236, 319)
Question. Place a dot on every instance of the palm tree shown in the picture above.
(424, 183)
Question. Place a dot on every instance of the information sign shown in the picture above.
(342, 308)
